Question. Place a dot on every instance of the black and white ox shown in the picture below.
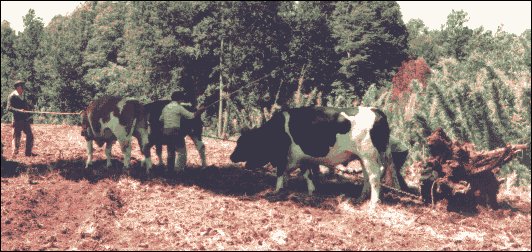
(108, 119)
(190, 127)
(314, 136)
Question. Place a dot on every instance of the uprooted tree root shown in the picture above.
(465, 177)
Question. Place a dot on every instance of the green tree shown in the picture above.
(250, 35)
(8, 40)
(372, 40)
(524, 40)
(422, 43)
(241, 39)
(62, 68)
(158, 47)
(106, 71)
(9, 58)
(416, 28)
(311, 49)
(456, 36)
(27, 51)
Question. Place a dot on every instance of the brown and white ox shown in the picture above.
(108, 119)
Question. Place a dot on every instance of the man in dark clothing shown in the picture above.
(21, 119)
(171, 118)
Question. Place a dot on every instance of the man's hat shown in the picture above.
(177, 96)
(19, 83)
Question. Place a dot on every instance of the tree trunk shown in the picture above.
(221, 93)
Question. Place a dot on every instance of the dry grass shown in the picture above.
(55, 204)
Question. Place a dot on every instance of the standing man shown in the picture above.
(171, 119)
(21, 122)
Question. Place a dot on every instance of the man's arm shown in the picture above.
(10, 105)
(199, 111)
(183, 111)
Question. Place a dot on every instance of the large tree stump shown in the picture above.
(461, 174)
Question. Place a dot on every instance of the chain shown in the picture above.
(395, 189)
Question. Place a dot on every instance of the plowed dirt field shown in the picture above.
(51, 202)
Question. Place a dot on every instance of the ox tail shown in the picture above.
(133, 124)
(380, 137)
(133, 109)
(380, 132)
(89, 131)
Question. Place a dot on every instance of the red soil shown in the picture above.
(53, 203)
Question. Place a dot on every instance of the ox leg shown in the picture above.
(315, 168)
(89, 154)
(281, 181)
(367, 187)
(181, 160)
(200, 146)
(310, 184)
(493, 200)
(147, 159)
(372, 170)
(372, 178)
(159, 152)
(170, 159)
(142, 137)
(282, 177)
(399, 158)
(283, 173)
(126, 150)
(492, 189)
(108, 146)
(390, 172)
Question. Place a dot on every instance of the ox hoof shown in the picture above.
(369, 207)
(173, 173)
(277, 195)
(362, 198)
(281, 192)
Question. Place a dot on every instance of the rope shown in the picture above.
(55, 113)
(78, 113)
(228, 94)
(210, 136)
(432, 192)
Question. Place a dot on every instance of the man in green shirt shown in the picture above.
(171, 120)
(21, 119)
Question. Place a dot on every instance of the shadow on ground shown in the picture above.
(229, 180)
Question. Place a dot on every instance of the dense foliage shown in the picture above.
(257, 50)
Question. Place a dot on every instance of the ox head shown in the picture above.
(266, 144)
(251, 147)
